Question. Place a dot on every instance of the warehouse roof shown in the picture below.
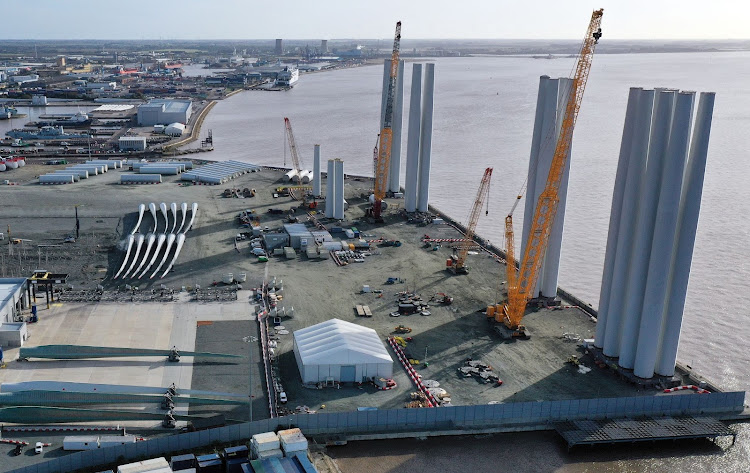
(168, 105)
(338, 342)
(8, 287)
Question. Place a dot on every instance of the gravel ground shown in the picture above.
(319, 290)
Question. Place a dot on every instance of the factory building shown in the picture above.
(101, 85)
(163, 112)
(24, 79)
(132, 143)
(323, 46)
(340, 351)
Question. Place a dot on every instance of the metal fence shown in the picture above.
(527, 415)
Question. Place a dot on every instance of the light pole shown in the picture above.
(250, 340)
(425, 356)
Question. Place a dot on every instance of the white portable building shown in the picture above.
(112, 440)
(175, 129)
(80, 442)
(336, 350)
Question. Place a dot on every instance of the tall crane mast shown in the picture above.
(297, 168)
(520, 289)
(375, 157)
(386, 134)
(457, 264)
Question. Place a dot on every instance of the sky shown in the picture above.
(332, 19)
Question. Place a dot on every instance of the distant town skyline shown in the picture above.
(331, 19)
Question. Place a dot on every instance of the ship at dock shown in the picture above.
(287, 77)
(8, 112)
(45, 133)
(76, 120)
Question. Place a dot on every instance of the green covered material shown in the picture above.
(78, 352)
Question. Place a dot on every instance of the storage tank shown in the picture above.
(11, 163)
(56, 179)
(140, 178)
(21, 161)
(2, 166)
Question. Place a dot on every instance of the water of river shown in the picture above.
(484, 109)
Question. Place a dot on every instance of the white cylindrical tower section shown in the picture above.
(316, 172)
(543, 159)
(628, 219)
(692, 190)
(411, 186)
(291, 176)
(425, 143)
(662, 245)
(536, 139)
(644, 227)
(330, 189)
(338, 208)
(626, 146)
(394, 174)
(554, 246)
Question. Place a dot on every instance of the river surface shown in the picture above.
(484, 112)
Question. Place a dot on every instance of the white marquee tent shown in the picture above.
(340, 351)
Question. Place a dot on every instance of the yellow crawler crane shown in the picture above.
(386, 134)
(521, 285)
(457, 263)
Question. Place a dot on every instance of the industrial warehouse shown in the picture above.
(271, 306)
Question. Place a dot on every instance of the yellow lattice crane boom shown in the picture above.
(510, 259)
(457, 263)
(297, 167)
(386, 134)
(520, 291)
